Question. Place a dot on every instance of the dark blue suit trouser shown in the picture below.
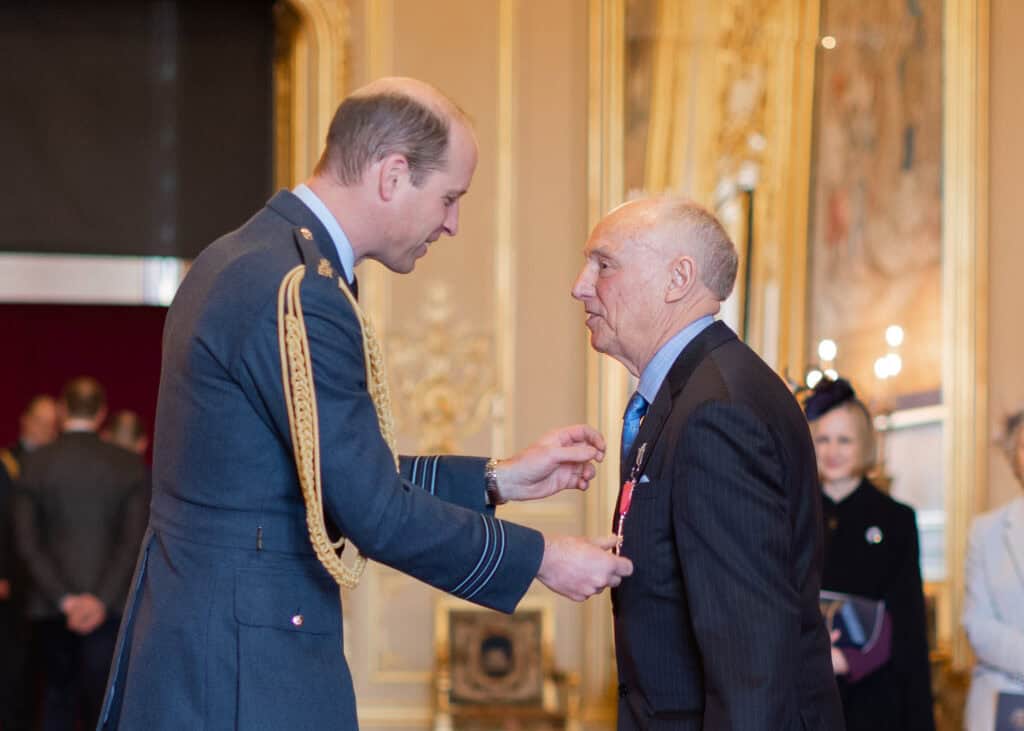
(75, 667)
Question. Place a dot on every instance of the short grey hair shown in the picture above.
(367, 128)
(708, 241)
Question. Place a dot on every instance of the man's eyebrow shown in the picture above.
(599, 251)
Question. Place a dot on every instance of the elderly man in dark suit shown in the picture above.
(79, 516)
(274, 446)
(719, 627)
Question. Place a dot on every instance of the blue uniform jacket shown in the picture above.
(232, 623)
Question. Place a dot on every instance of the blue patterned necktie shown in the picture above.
(635, 410)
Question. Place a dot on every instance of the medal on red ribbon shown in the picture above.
(626, 497)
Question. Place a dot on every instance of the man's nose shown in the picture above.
(583, 286)
(451, 219)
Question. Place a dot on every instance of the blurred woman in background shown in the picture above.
(994, 601)
(871, 551)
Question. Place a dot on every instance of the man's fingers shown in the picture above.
(607, 542)
(580, 453)
(582, 433)
(582, 475)
(579, 568)
(623, 566)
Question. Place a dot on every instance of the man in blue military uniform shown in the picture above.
(273, 436)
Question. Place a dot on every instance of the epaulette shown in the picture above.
(314, 260)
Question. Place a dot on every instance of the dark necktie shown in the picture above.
(635, 410)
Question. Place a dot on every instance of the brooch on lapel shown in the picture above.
(873, 535)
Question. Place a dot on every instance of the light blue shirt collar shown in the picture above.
(656, 371)
(346, 256)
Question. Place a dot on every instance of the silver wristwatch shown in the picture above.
(494, 497)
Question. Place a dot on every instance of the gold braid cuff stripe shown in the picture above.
(303, 421)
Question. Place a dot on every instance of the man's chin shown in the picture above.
(399, 267)
(597, 343)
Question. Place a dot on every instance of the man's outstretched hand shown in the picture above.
(561, 459)
(578, 568)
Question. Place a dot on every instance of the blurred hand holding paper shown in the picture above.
(858, 619)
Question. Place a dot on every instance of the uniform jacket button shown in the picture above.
(297, 620)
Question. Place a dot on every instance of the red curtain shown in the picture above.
(46, 345)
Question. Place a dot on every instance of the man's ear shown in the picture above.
(392, 171)
(683, 277)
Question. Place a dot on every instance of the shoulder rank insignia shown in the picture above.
(306, 233)
(324, 269)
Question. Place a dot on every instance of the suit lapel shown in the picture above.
(1013, 534)
(288, 205)
(696, 351)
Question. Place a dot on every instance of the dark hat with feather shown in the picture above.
(827, 395)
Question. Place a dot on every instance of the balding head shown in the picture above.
(652, 267)
(393, 115)
(675, 227)
(83, 398)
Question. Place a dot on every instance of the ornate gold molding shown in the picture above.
(443, 373)
(964, 287)
(503, 423)
(318, 79)
(607, 381)
(379, 36)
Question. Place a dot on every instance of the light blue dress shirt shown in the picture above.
(341, 242)
(656, 371)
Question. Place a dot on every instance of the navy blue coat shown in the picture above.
(210, 638)
(718, 628)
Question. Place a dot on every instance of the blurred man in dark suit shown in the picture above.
(78, 516)
(37, 428)
(719, 627)
(125, 429)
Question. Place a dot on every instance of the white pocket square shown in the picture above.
(643, 479)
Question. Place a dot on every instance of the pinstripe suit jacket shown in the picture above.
(211, 637)
(719, 627)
